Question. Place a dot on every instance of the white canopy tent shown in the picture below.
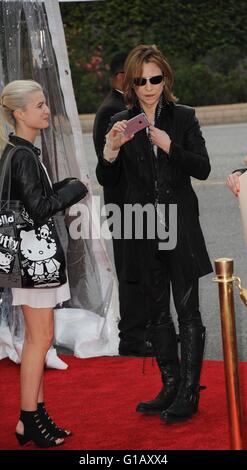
(87, 325)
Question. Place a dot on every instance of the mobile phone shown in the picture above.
(136, 124)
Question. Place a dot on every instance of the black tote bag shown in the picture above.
(31, 256)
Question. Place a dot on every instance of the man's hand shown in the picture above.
(116, 137)
(160, 138)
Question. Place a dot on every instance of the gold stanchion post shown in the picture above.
(224, 272)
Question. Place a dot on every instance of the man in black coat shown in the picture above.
(158, 163)
(133, 314)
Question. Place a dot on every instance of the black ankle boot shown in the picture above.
(186, 402)
(35, 431)
(49, 424)
(164, 342)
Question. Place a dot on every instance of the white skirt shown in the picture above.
(41, 298)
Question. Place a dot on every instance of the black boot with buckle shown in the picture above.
(186, 402)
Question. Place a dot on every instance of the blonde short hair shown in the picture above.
(14, 96)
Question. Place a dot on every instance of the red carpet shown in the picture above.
(96, 399)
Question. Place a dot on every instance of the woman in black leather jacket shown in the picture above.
(23, 106)
(158, 163)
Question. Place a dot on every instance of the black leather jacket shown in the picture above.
(29, 184)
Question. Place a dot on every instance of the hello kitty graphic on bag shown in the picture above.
(6, 260)
(40, 256)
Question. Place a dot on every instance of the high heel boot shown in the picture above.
(35, 431)
(186, 402)
(49, 424)
(164, 342)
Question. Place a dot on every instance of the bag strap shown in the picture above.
(5, 164)
(5, 168)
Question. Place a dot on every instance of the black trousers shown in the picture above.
(133, 316)
(165, 272)
(132, 305)
(133, 313)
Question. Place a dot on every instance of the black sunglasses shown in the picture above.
(139, 81)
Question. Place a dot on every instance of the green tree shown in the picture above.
(204, 41)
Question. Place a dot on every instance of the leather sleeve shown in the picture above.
(27, 178)
(60, 184)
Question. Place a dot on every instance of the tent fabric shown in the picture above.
(33, 45)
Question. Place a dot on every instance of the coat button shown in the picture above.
(147, 193)
(141, 159)
(168, 192)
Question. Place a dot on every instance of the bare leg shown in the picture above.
(39, 328)
(39, 331)
(41, 390)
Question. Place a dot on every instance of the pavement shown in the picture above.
(221, 224)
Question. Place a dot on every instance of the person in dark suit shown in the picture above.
(158, 163)
(133, 315)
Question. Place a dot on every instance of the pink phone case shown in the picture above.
(136, 124)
